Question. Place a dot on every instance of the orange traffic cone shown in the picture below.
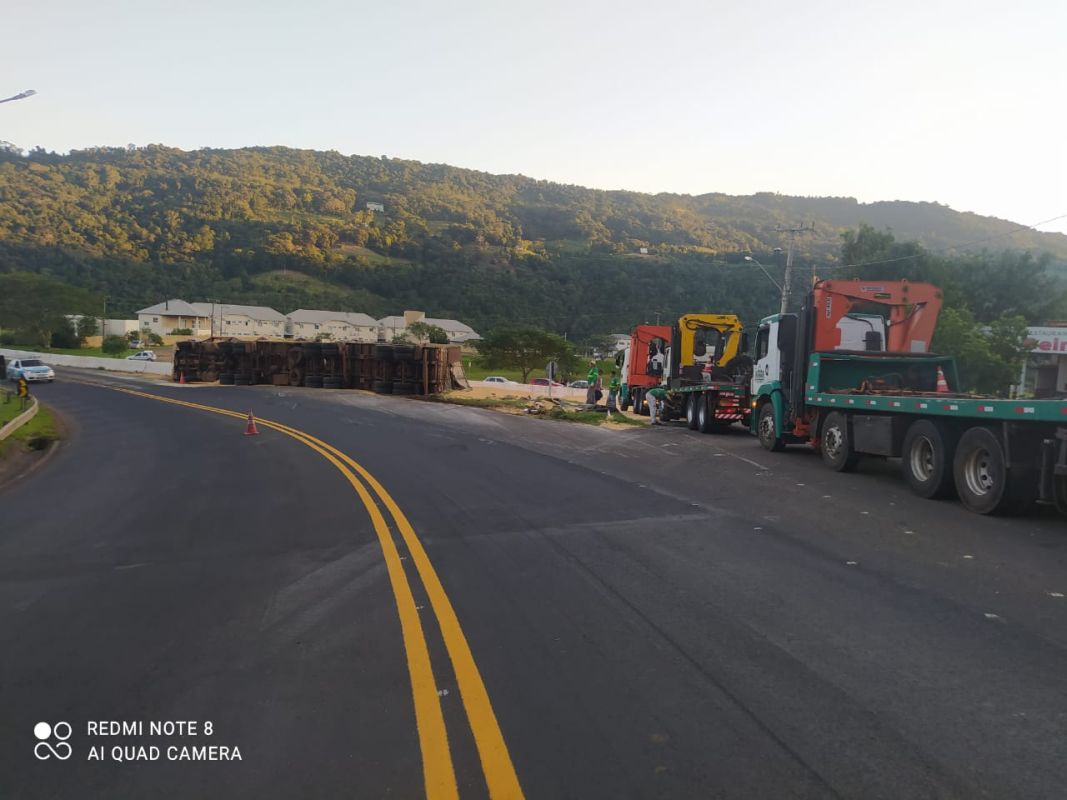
(250, 428)
(942, 384)
(181, 377)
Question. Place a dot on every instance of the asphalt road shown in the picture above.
(654, 613)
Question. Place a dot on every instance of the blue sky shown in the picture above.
(958, 102)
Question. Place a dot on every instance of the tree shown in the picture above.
(87, 326)
(115, 344)
(988, 358)
(424, 332)
(37, 306)
(525, 349)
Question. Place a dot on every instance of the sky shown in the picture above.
(956, 102)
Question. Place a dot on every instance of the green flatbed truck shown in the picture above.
(853, 387)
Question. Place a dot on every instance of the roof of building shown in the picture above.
(173, 307)
(351, 317)
(450, 325)
(253, 312)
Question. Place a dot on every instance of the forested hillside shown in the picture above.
(291, 228)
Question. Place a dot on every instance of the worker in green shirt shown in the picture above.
(594, 383)
(613, 389)
(655, 395)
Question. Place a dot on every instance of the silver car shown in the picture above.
(32, 369)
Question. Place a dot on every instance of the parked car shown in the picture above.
(498, 379)
(545, 382)
(578, 384)
(32, 369)
(144, 355)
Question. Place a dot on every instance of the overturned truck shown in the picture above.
(382, 368)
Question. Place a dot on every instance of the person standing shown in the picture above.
(613, 389)
(656, 395)
(593, 379)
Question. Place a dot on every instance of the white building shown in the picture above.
(379, 207)
(458, 332)
(339, 326)
(171, 315)
(211, 319)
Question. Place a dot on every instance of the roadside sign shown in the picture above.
(24, 387)
(551, 370)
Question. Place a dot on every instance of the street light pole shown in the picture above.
(20, 96)
(770, 277)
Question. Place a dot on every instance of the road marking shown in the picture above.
(439, 776)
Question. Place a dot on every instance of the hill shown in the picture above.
(143, 223)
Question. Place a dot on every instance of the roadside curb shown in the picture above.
(20, 420)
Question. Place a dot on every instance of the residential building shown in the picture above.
(338, 326)
(379, 207)
(211, 319)
(457, 332)
(171, 315)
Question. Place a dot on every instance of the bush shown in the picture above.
(65, 335)
(115, 344)
(155, 339)
(182, 332)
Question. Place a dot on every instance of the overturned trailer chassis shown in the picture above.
(382, 368)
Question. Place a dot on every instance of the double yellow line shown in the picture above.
(438, 773)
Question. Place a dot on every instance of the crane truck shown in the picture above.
(852, 375)
(705, 368)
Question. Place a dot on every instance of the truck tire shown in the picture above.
(225, 379)
(984, 482)
(926, 459)
(296, 376)
(383, 387)
(692, 410)
(765, 429)
(706, 422)
(835, 443)
(624, 401)
(639, 402)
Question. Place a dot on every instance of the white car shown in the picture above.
(32, 369)
(144, 355)
(499, 379)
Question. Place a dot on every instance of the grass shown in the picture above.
(477, 371)
(9, 410)
(36, 434)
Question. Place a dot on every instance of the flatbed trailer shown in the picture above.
(997, 455)
(710, 407)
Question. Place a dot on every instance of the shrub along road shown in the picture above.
(650, 612)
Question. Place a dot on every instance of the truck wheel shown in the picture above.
(926, 459)
(639, 402)
(983, 480)
(765, 429)
(836, 445)
(692, 411)
(624, 402)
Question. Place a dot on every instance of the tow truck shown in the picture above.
(852, 375)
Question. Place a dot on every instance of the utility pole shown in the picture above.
(788, 282)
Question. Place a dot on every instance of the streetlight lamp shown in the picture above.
(20, 96)
(769, 276)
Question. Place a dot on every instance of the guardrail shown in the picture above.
(21, 419)
(92, 362)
